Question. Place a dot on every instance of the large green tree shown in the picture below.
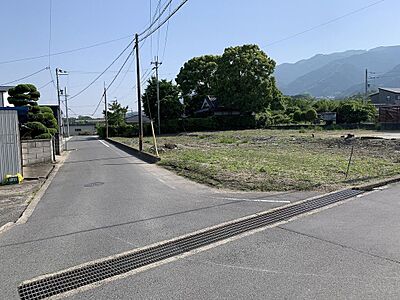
(170, 106)
(244, 79)
(196, 79)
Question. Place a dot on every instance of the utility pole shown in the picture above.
(66, 115)
(157, 64)
(139, 94)
(59, 105)
(66, 109)
(105, 109)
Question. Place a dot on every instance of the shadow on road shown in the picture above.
(119, 224)
(95, 159)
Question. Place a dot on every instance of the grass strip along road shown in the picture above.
(276, 160)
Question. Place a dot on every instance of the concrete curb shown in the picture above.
(146, 157)
(371, 186)
(41, 177)
(38, 196)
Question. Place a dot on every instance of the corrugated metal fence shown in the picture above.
(10, 146)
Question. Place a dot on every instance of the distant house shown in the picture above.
(133, 118)
(81, 129)
(211, 107)
(81, 126)
(327, 117)
(386, 96)
(389, 117)
(4, 96)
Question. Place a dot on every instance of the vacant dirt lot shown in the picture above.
(278, 160)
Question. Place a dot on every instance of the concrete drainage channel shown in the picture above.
(87, 274)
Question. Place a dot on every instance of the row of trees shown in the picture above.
(242, 80)
(306, 109)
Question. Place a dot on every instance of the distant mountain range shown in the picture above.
(340, 74)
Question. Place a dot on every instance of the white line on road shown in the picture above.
(252, 200)
(104, 143)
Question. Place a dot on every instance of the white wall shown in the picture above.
(4, 101)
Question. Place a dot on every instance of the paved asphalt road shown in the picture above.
(103, 202)
(350, 251)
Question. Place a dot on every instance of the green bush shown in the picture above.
(126, 130)
(36, 129)
(355, 111)
(263, 119)
(280, 119)
(52, 131)
(43, 136)
(310, 115)
(298, 116)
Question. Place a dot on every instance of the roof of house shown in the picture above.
(5, 88)
(393, 90)
(133, 117)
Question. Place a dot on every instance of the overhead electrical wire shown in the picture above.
(166, 37)
(25, 77)
(43, 86)
(325, 23)
(120, 70)
(156, 19)
(66, 51)
(123, 77)
(50, 38)
(142, 39)
(84, 47)
(112, 81)
(165, 21)
(102, 73)
(98, 105)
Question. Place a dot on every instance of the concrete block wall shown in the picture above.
(36, 151)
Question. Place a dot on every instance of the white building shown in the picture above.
(4, 96)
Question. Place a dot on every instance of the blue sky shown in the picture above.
(200, 27)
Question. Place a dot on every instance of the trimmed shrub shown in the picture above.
(310, 115)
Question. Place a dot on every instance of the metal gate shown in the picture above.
(10, 146)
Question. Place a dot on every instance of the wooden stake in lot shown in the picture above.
(348, 166)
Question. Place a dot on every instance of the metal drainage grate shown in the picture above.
(88, 274)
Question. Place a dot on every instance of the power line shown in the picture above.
(166, 37)
(50, 38)
(66, 51)
(98, 105)
(50, 29)
(27, 76)
(156, 19)
(119, 71)
(123, 77)
(92, 72)
(43, 86)
(166, 20)
(112, 81)
(101, 74)
(325, 23)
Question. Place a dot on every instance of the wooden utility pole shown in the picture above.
(139, 95)
(105, 109)
(66, 109)
(157, 64)
(59, 105)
